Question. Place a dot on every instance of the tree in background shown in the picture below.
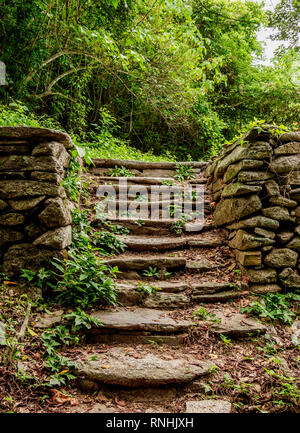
(168, 75)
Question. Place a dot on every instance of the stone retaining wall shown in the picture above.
(256, 184)
(35, 214)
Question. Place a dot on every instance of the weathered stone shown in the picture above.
(140, 243)
(224, 296)
(217, 185)
(293, 178)
(294, 244)
(57, 239)
(11, 219)
(55, 149)
(57, 213)
(290, 136)
(282, 201)
(14, 149)
(295, 194)
(210, 287)
(237, 325)
(235, 189)
(290, 278)
(267, 248)
(208, 406)
(3, 205)
(29, 163)
(244, 241)
(166, 300)
(26, 204)
(261, 276)
(281, 258)
(277, 212)
(26, 132)
(200, 265)
(2, 334)
(49, 320)
(257, 221)
(140, 319)
(248, 258)
(43, 176)
(246, 164)
(297, 230)
(297, 212)
(7, 175)
(288, 149)
(285, 164)
(33, 231)
(27, 256)
(265, 233)
(272, 188)
(284, 237)
(230, 210)
(260, 289)
(144, 263)
(28, 188)
(254, 176)
(254, 151)
(9, 236)
(125, 370)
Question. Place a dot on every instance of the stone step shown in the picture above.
(144, 226)
(225, 296)
(136, 180)
(149, 243)
(143, 165)
(237, 326)
(140, 263)
(120, 368)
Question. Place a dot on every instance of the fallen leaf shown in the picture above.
(9, 282)
(120, 402)
(105, 366)
(61, 398)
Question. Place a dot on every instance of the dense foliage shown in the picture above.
(171, 76)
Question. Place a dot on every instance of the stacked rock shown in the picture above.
(35, 214)
(256, 184)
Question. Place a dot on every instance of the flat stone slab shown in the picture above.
(140, 243)
(201, 265)
(208, 406)
(237, 325)
(166, 300)
(210, 287)
(206, 243)
(217, 297)
(143, 263)
(140, 319)
(119, 368)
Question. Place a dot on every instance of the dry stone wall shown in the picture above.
(35, 214)
(256, 185)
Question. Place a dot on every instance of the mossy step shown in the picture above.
(142, 165)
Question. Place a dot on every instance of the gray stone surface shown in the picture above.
(2, 334)
(254, 176)
(166, 300)
(26, 204)
(265, 288)
(208, 406)
(257, 221)
(265, 233)
(122, 369)
(281, 258)
(285, 164)
(57, 239)
(27, 188)
(144, 263)
(140, 319)
(237, 325)
(3, 205)
(262, 276)
(11, 219)
(288, 148)
(282, 201)
(230, 210)
(244, 241)
(9, 236)
(277, 212)
(140, 243)
(237, 188)
(294, 244)
(25, 132)
(290, 278)
(57, 213)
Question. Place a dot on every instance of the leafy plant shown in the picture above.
(121, 172)
(151, 272)
(108, 242)
(226, 341)
(202, 313)
(178, 226)
(184, 172)
(274, 307)
(146, 289)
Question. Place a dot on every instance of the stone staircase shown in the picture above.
(149, 341)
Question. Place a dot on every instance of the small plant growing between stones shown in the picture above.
(226, 341)
(202, 314)
(275, 307)
(121, 172)
(151, 272)
(178, 226)
(147, 289)
(184, 172)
